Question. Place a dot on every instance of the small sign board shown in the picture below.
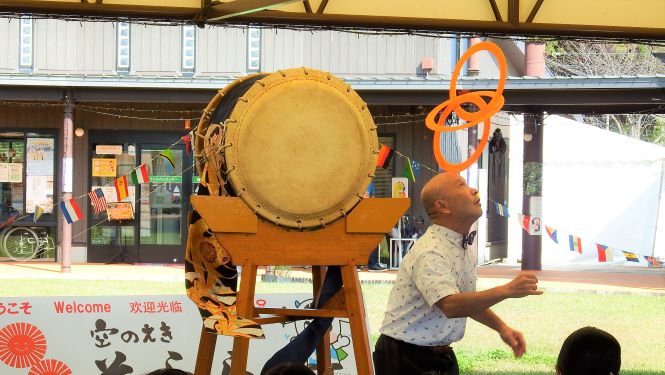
(120, 211)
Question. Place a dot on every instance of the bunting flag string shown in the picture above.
(575, 243)
(121, 188)
(71, 211)
(604, 254)
(187, 140)
(98, 200)
(39, 210)
(501, 210)
(408, 170)
(551, 231)
(524, 221)
(12, 217)
(168, 155)
(630, 257)
(385, 156)
(652, 262)
(140, 175)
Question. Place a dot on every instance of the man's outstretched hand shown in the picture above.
(515, 340)
(525, 284)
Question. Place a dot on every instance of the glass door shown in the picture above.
(156, 232)
(163, 211)
(112, 236)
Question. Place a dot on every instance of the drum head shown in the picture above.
(300, 148)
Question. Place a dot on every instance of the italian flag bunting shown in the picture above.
(140, 175)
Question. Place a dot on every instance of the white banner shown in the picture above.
(122, 335)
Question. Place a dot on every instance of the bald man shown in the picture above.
(434, 291)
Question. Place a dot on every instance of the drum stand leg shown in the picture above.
(245, 307)
(357, 319)
(323, 366)
(206, 352)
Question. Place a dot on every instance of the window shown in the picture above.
(109, 161)
(458, 46)
(188, 48)
(26, 173)
(253, 49)
(122, 62)
(25, 43)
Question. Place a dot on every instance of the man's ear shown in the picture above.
(441, 206)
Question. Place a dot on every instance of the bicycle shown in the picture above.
(23, 243)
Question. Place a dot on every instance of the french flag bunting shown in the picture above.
(71, 211)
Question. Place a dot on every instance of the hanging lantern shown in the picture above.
(188, 122)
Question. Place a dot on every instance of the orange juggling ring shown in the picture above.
(453, 104)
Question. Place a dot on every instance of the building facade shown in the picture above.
(131, 87)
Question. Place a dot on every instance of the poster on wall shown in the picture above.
(108, 149)
(104, 167)
(137, 334)
(39, 191)
(120, 210)
(146, 218)
(536, 209)
(15, 172)
(400, 187)
(4, 172)
(39, 156)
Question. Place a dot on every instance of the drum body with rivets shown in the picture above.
(299, 146)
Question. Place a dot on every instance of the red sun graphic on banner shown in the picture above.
(50, 367)
(21, 345)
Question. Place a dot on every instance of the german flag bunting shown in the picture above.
(385, 155)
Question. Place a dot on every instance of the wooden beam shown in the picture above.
(514, 12)
(495, 10)
(239, 8)
(322, 7)
(534, 11)
(636, 19)
(457, 25)
(308, 6)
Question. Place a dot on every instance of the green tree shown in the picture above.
(587, 59)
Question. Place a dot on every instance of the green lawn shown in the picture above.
(638, 322)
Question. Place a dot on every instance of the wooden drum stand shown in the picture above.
(253, 242)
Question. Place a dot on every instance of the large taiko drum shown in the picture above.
(299, 146)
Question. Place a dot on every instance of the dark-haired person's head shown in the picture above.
(290, 369)
(589, 351)
(168, 371)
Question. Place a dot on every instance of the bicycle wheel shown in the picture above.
(20, 243)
